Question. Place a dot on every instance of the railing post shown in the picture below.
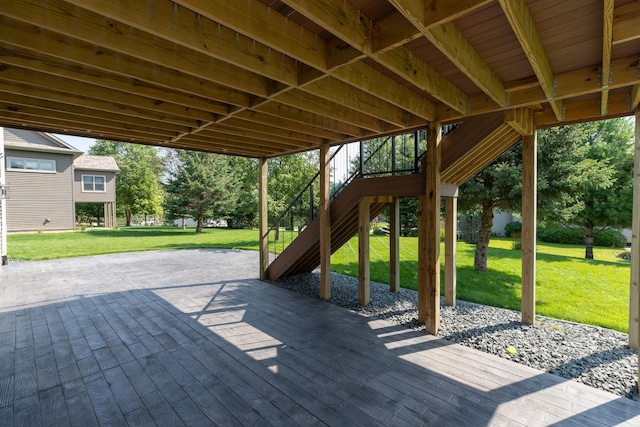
(311, 203)
(325, 224)
(361, 157)
(416, 152)
(263, 218)
(393, 155)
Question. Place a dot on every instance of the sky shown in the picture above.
(80, 143)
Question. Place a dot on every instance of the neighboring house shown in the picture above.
(45, 177)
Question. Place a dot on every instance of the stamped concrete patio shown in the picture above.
(190, 337)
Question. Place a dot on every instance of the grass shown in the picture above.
(30, 247)
(567, 287)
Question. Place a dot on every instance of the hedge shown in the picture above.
(573, 236)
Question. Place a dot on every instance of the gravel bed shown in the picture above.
(590, 355)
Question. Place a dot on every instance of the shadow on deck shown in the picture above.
(190, 337)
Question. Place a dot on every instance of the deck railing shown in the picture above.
(390, 155)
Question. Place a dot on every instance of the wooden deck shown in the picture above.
(191, 337)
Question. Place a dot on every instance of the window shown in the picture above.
(93, 184)
(31, 165)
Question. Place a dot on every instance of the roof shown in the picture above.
(26, 140)
(270, 77)
(98, 163)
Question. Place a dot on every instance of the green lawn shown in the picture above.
(568, 286)
(126, 239)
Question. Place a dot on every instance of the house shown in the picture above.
(46, 177)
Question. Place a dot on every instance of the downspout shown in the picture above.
(3, 203)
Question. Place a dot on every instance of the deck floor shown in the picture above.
(192, 338)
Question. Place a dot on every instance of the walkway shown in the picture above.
(191, 337)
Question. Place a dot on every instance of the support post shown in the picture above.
(634, 295)
(263, 217)
(325, 224)
(529, 201)
(364, 280)
(394, 246)
(429, 235)
(450, 240)
(3, 204)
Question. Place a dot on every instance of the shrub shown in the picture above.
(564, 235)
(575, 236)
(513, 229)
(610, 239)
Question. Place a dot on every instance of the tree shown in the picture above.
(288, 176)
(565, 173)
(138, 189)
(201, 185)
(245, 213)
(607, 202)
(86, 211)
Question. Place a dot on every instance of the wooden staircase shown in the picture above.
(465, 151)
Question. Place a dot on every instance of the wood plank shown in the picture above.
(452, 43)
(635, 96)
(607, 41)
(75, 22)
(626, 22)
(394, 245)
(186, 28)
(429, 235)
(324, 223)
(364, 278)
(519, 16)
(263, 217)
(417, 72)
(529, 207)
(450, 240)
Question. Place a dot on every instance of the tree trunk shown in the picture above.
(486, 223)
(127, 215)
(199, 224)
(588, 240)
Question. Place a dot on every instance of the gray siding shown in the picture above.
(108, 196)
(35, 197)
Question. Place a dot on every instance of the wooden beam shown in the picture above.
(634, 287)
(529, 201)
(635, 96)
(310, 119)
(334, 90)
(364, 279)
(452, 43)
(181, 26)
(519, 16)
(607, 40)
(341, 18)
(394, 245)
(333, 110)
(429, 235)
(417, 72)
(263, 217)
(350, 25)
(46, 86)
(325, 223)
(521, 119)
(571, 84)
(372, 81)
(72, 21)
(266, 26)
(450, 240)
(626, 23)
